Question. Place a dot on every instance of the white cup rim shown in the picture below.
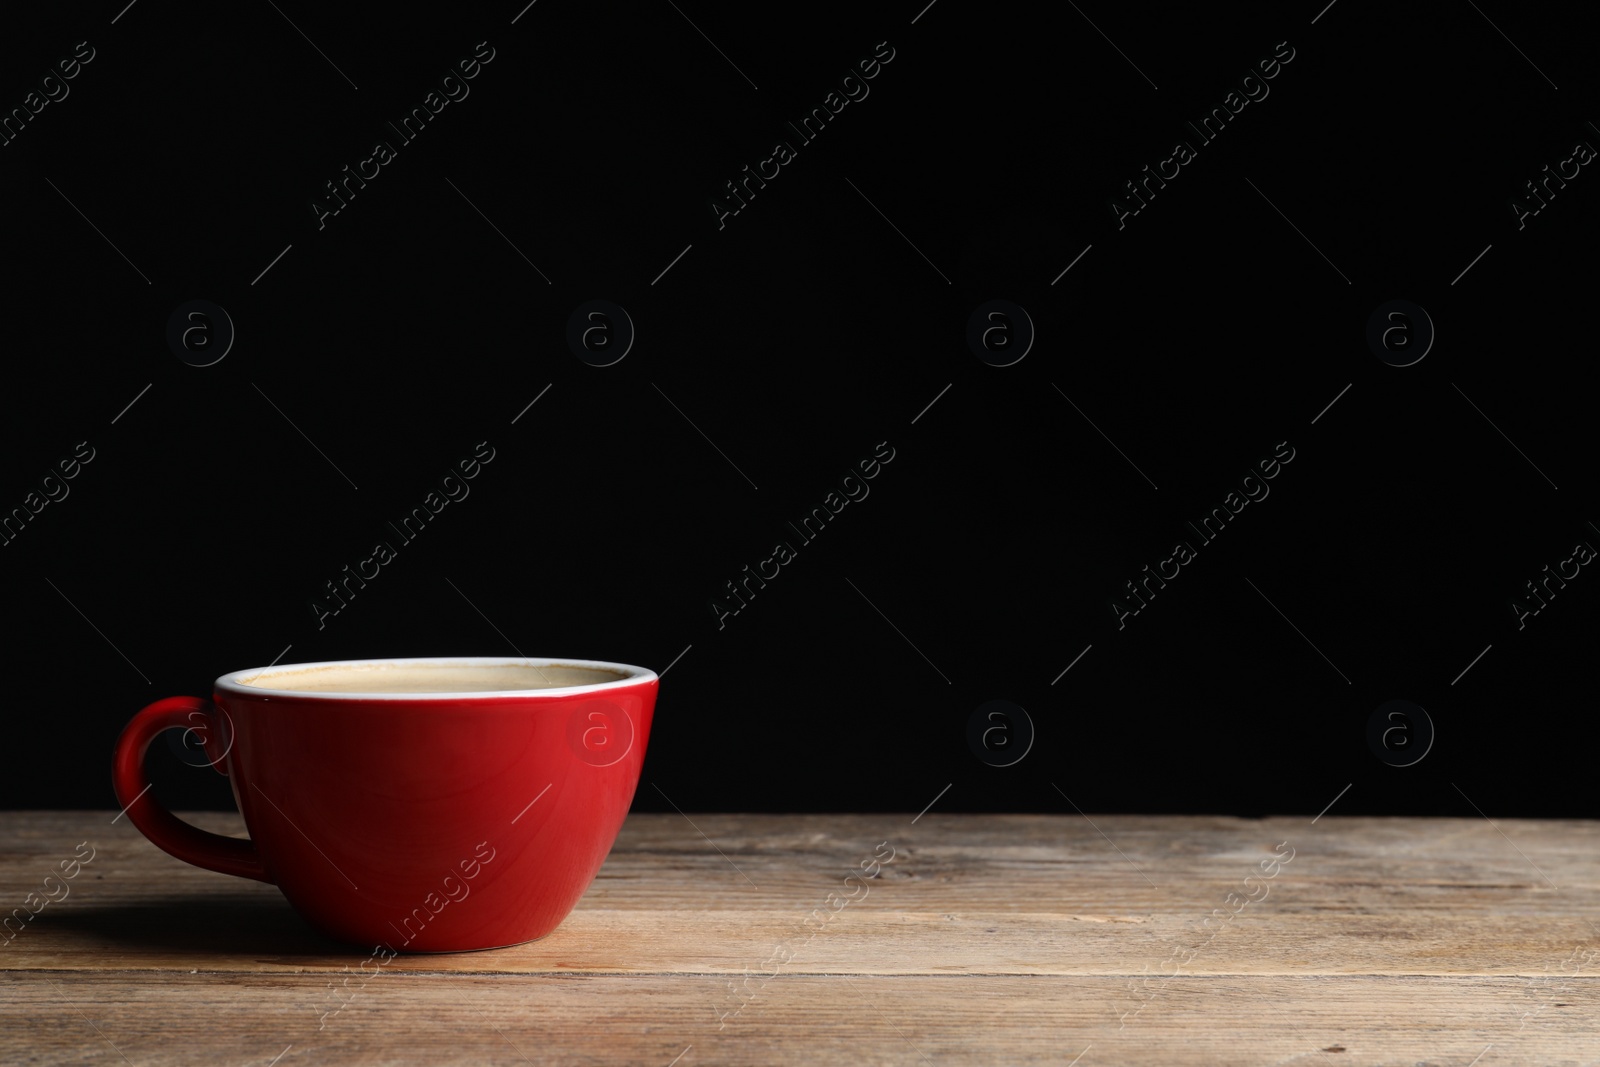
(234, 685)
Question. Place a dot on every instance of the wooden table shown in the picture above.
(1003, 939)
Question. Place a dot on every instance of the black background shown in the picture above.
(808, 329)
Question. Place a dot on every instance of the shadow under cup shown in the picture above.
(427, 805)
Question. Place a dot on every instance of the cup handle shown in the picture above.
(226, 855)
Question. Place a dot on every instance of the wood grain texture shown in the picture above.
(988, 939)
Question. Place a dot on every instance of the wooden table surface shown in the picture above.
(735, 939)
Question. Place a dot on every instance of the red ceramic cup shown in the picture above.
(430, 805)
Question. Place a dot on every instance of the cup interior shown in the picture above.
(439, 678)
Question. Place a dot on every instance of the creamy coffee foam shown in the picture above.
(428, 678)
